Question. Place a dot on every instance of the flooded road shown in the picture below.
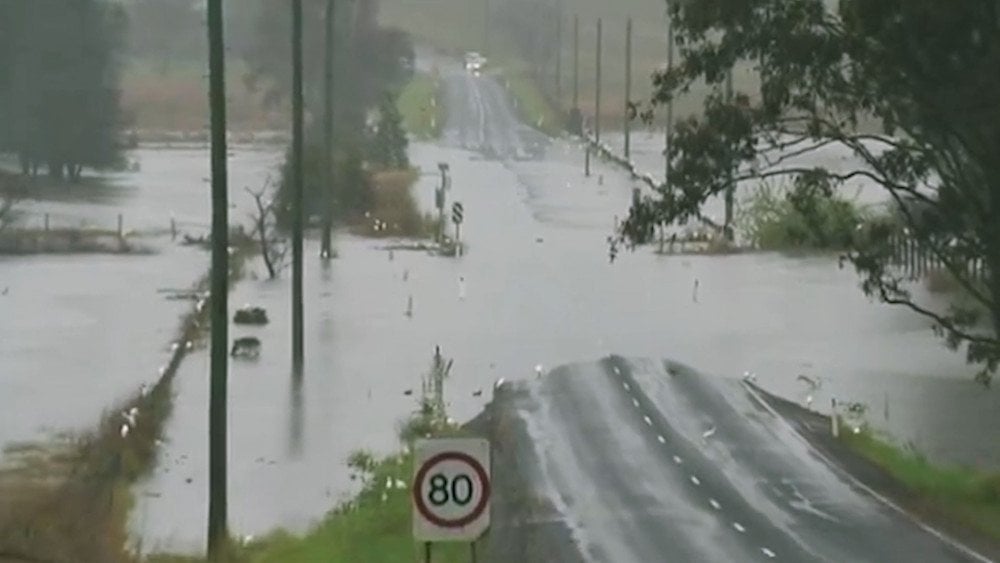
(538, 289)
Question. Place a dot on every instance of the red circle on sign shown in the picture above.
(418, 497)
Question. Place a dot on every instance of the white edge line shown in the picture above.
(836, 468)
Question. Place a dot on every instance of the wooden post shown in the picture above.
(628, 87)
(121, 227)
(326, 238)
(46, 222)
(173, 228)
(472, 547)
(586, 160)
(297, 184)
(731, 188)
(218, 450)
(669, 126)
(427, 552)
(559, 26)
(597, 93)
(576, 62)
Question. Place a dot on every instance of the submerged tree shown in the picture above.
(924, 73)
(389, 143)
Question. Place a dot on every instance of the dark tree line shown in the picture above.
(59, 83)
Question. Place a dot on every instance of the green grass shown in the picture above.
(532, 105)
(967, 496)
(420, 107)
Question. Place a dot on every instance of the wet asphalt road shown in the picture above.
(648, 461)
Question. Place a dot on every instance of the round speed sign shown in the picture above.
(451, 492)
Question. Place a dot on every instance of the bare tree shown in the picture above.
(272, 248)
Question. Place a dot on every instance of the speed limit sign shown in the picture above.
(451, 489)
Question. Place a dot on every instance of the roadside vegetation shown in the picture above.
(68, 499)
(374, 526)
(967, 496)
(533, 105)
(797, 218)
(420, 105)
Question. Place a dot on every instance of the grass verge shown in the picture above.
(420, 107)
(969, 497)
(375, 525)
(532, 105)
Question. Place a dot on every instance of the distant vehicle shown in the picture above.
(474, 62)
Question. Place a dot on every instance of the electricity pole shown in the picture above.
(597, 97)
(297, 180)
(327, 243)
(218, 533)
(727, 229)
(559, 24)
(628, 86)
(670, 104)
(576, 62)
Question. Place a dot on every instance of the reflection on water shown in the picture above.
(296, 418)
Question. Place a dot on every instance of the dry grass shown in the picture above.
(395, 207)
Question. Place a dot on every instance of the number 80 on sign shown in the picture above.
(451, 489)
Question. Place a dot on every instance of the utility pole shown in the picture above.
(628, 87)
(328, 58)
(669, 127)
(597, 96)
(297, 181)
(218, 529)
(559, 24)
(486, 26)
(727, 229)
(576, 63)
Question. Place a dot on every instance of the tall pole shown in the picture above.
(559, 24)
(576, 62)
(486, 26)
(297, 181)
(597, 94)
(669, 127)
(218, 531)
(628, 87)
(730, 189)
(327, 242)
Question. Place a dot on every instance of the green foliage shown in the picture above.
(920, 68)
(534, 107)
(968, 496)
(351, 189)
(800, 218)
(420, 107)
(388, 143)
(59, 83)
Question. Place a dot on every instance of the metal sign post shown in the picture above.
(451, 491)
(457, 216)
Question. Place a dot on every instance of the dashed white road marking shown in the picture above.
(767, 552)
(695, 480)
(661, 439)
(677, 460)
(739, 527)
(635, 403)
(715, 504)
(647, 421)
(617, 371)
(625, 385)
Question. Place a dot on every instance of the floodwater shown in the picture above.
(538, 289)
(83, 331)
